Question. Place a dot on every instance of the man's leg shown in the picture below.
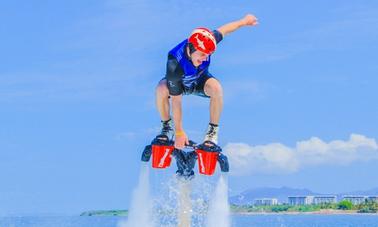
(162, 100)
(162, 103)
(214, 89)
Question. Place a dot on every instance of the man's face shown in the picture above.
(198, 57)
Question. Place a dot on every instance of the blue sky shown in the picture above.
(77, 96)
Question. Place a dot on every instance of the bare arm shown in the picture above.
(180, 139)
(247, 20)
(177, 112)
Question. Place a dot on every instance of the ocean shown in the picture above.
(274, 220)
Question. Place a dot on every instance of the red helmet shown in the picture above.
(203, 40)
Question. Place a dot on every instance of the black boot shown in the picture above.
(167, 129)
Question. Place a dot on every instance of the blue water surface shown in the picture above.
(237, 221)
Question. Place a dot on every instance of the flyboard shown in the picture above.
(207, 155)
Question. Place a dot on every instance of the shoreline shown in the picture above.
(321, 212)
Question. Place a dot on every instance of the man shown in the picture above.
(187, 73)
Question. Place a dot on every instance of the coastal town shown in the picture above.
(310, 204)
(315, 200)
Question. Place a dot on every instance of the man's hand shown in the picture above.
(249, 20)
(181, 140)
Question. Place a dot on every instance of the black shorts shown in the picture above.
(198, 88)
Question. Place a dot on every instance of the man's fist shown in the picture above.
(181, 140)
(250, 20)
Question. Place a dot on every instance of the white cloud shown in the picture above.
(276, 158)
(272, 158)
(357, 148)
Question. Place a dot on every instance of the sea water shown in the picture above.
(274, 220)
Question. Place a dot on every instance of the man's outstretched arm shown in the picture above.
(247, 20)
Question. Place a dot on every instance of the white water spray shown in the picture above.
(141, 205)
(184, 213)
(219, 209)
(177, 205)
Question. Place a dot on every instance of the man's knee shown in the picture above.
(213, 88)
(162, 88)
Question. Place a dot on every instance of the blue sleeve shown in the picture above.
(218, 36)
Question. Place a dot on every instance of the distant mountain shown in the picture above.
(248, 197)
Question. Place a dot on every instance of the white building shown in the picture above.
(355, 199)
(300, 200)
(324, 199)
(373, 198)
(265, 202)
